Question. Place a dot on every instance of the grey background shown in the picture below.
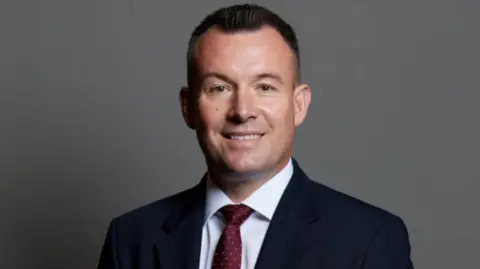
(91, 126)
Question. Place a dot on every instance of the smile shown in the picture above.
(244, 137)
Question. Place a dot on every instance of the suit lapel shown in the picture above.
(179, 247)
(295, 226)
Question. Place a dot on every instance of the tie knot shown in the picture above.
(236, 214)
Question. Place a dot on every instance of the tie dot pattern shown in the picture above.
(228, 254)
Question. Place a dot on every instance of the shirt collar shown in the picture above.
(263, 201)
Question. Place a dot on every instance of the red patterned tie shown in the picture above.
(228, 254)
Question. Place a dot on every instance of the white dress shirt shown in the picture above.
(263, 202)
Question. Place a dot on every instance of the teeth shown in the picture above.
(244, 137)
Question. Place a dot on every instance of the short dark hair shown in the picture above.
(241, 17)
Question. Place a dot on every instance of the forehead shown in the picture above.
(245, 53)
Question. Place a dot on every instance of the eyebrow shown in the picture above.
(257, 77)
(273, 76)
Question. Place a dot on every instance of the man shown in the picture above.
(255, 207)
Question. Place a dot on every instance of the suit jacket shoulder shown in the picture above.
(351, 211)
(357, 226)
(139, 224)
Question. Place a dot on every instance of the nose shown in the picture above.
(243, 106)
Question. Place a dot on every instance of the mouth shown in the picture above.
(243, 137)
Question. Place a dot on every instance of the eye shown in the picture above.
(266, 88)
(216, 89)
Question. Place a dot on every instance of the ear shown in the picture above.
(301, 100)
(187, 106)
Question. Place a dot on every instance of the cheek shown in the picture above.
(210, 116)
(278, 111)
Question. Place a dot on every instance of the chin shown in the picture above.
(246, 169)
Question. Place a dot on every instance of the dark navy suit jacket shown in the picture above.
(313, 226)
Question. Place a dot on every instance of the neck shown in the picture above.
(240, 186)
(235, 188)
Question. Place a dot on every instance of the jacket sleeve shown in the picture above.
(389, 247)
(108, 256)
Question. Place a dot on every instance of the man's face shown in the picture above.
(246, 105)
